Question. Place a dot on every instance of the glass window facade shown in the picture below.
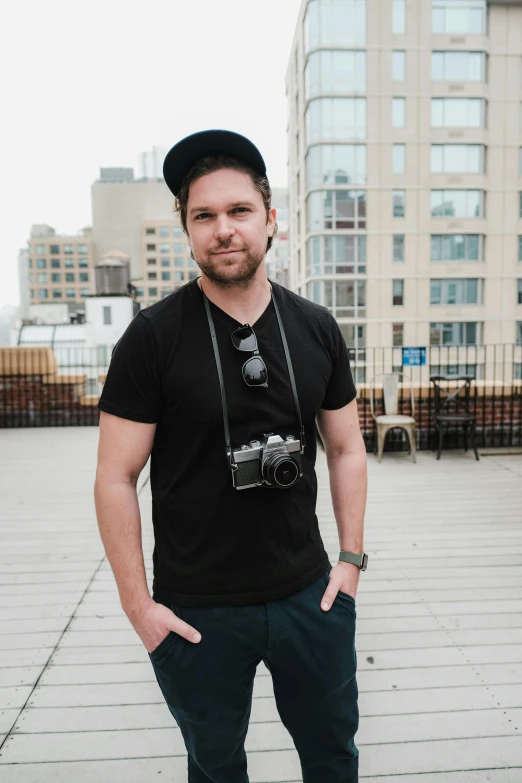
(164, 247)
(84, 277)
(179, 247)
(41, 250)
(336, 209)
(336, 118)
(336, 255)
(464, 17)
(397, 292)
(344, 298)
(331, 72)
(399, 203)
(165, 275)
(398, 112)
(457, 159)
(336, 164)
(333, 23)
(68, 249)
(456, 292)
(519, 333)
(54, 250)
(399, 158)
(455, 333)
(398, 66)
(397, 335)
(41, 263)
(458, 66)
(519, 291)
(456, 247)
(82, 250)
(457, 203)
(399, 17)
(70, 277)
(458, 112)
(43, 293)
(164, 231)
(398, 247)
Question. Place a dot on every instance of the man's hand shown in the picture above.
(344, 577)
(153, 621)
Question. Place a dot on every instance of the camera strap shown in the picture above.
(226, 427)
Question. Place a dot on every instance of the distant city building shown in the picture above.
(278, 257)
(151, 163)
(405, 169)
(59, 267)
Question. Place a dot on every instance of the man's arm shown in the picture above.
(347, 466)
(123, 451)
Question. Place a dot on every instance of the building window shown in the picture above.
(82, 250)
(41, 263)
(457, 203)
(520, 248)
(84, 292)
(55, 263)
(165, 275)
(177, 232)
(336, 118)
(398, 17)
(457, 159)
(517, 371)
(164, 247)
(84, 277)
(336, 255)
(519, 291)
(41, 277)
(336, 164)
(398, 66)
(178, 261)
(456, 292)
(164, 231)
(398, 112)
(519, 333)
(54, 250)
(165, 262)
(334, 24)
(140, 291)
(398, 247)
(83, 263)
(153, 291)
(397, 335)
(70, 293)
(165, 292)
(178, 277)
(41, 250)
(458, 66)
(456, 247)
(398, 292)
(57, 294)
(455, 333)
(458, 112)
(42, 293)
(107, 316)
(68, 263)
(56, 277)
(335, 73)
(399, 203)
(151, 261)
(520, 204)
(68, 250)
(179, 247)
(150, 231)
(69, 277)
(152, 276)
(463, 17)
(399, 158)
(193, 275)
(336, 209)
(344, 298)
(151, 248)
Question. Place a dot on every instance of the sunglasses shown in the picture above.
(254, 369)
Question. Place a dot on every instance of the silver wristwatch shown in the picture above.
(360, 560)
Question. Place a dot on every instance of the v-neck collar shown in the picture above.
(257, 326)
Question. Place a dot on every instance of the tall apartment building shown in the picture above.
(405, 163)
(60, 268)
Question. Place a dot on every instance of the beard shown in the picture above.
(238, 273)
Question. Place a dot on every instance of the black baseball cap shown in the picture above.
(183, 155)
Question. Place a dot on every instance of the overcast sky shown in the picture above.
(91, 84)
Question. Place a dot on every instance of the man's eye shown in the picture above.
(243, 209)
(202, 215)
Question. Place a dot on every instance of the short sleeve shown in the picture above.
(341, 388)
(132, 386)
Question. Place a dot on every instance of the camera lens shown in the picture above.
(281, 470)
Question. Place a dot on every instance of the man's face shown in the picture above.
(227, 226)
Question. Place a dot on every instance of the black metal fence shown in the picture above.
(60, 386)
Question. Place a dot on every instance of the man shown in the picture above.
(240, 572)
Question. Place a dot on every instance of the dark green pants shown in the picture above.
(311, 657)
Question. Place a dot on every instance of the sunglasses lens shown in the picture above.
(244, 339)
(254, 372)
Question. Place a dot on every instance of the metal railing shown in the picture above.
(60, 386)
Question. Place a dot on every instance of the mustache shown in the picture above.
(223, 248)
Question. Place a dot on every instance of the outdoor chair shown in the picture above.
(453, 408)
(391, 419)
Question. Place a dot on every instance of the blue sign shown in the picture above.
(413, 357)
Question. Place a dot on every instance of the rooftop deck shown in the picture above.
(439, 627)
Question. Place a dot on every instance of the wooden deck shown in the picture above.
(439, 628)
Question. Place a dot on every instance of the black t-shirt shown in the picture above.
(214, 544)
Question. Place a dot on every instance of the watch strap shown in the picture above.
(360, 560)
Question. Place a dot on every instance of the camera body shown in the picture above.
(271, 462)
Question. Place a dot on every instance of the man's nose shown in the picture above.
(224, 228)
